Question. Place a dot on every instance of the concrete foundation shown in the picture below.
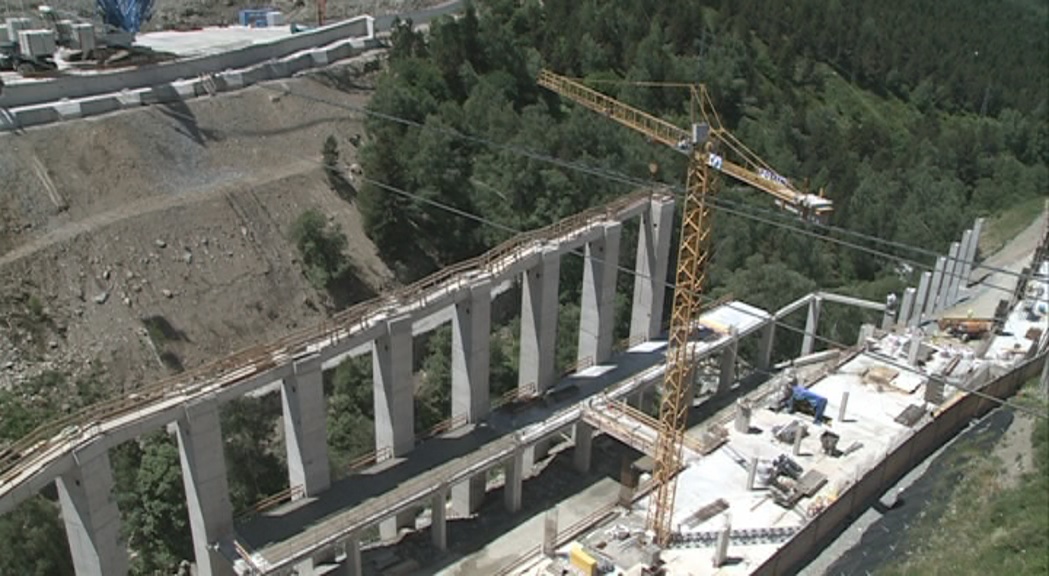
(598, 308)
(394, 401)
(539, 307)
(811, 326)
(306, 428)
(207, 490)
(91, 517)
(471, 354)
(653, 254)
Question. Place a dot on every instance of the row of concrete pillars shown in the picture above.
(940, 289)
(89, 510)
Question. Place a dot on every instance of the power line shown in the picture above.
(723, 203)
(667, 284)
(708, 299)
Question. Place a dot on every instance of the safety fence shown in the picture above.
(271, 502)
(248, 363)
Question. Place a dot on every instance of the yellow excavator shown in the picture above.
(711, 150)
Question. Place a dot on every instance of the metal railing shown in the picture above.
(249, 362)
(272, 501)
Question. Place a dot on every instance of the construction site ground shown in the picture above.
(178, 214)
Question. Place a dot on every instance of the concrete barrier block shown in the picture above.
(36, 115)
(67, 109)
(101, 105)
(340, 51)
(296, 63)
(277, 69)
(319, 57)
(254, 75)
(229, 80)
(130, 98)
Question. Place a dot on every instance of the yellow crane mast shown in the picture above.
(711, 149)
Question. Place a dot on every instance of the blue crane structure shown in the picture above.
(126, 15)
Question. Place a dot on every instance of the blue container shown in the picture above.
(254, 17)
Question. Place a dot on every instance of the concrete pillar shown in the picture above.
(471, 353)
(653, 255)
(438, 520)
(468, 495)
(306, 427)
(597, 313)
(935, 287)
(728, 365)
(91, 517)
(970, 255)
(906, 306)
(584, 440)
(843, 407)
(768, 338)
(914, 347)
(353, 556)
(752, 472)
(811, 325)
(963, 251)
(721, 545)
(392, 378)
(391, 527)
(514, 474)
(919, 302)
(204, 477)
(539, 323)
(950, 278)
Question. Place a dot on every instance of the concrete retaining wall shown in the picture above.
(82, 86)
(914, 449)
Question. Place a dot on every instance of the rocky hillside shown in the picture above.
(143, 242)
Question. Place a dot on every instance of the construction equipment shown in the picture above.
(711, 149)
(966, 328)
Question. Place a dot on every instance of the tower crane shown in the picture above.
(711, 150)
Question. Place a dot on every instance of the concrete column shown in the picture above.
(539, 323)
(811, 325)
(468, 495)
(970, 255)
(950, 278)
(306, 427)
(204, 477)
(353, 556)
(963, 251)
(514, 473)
(471, 353)
(392, 376)
(390, 528)
(768, 338)
(597, 311)
(439, 521)
(653, 255)
(919, 302)
(91, 517)
(728, 366)
(906, 306)
(584, 440)
(935, 287)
